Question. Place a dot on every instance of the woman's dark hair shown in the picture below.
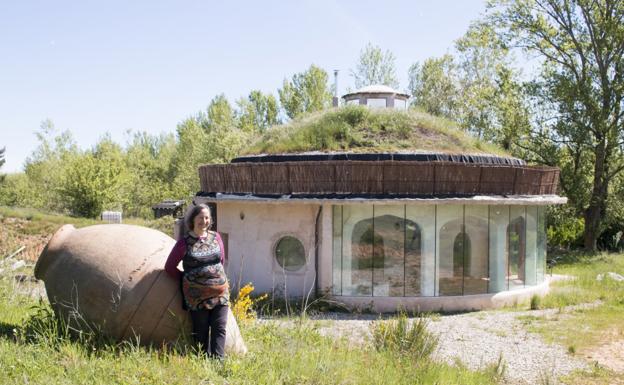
(193, 212)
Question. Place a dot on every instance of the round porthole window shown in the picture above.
(289, 253)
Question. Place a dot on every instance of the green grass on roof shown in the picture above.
(360, 129)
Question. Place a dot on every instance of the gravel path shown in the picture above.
(479, 339)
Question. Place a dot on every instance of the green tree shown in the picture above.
(581, 45)
(305, 92)
(257, 112)
(434, 86)
(375, 67)
(95, 180)
(191, 143)
(45, 166)
(148, 158)
(477, 88)
(511, 111)
(482, 56)
(197, 145)
(16, 191)
(219, 114)
(1, 162)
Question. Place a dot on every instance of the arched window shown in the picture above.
(360, 268)
(384, 256)
(453, 241)
(413, 256)
(516, 251)
(462, 253)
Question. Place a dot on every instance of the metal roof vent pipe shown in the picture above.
(335, 99)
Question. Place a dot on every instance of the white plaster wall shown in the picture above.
(325, 251)
(253, 230)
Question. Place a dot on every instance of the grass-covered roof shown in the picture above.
(359, 129)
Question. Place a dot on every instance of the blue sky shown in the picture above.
(113, 66)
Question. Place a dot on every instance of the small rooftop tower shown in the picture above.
(377, 95)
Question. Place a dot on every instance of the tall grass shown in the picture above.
(360, 129)
(588, 311)
(405, 338)
(585, 287)
(36, 347)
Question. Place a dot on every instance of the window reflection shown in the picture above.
(413, 255)
(450, 256)
(531, 247)
(476, 251)
(357, 250)
(541, 244)
(516, 235)
(444, 250)
(362, 242)
(388, 251)
(337, 250)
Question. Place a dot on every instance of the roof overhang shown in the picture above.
(524, 200)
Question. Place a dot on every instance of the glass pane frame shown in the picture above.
(357, 250)
(449, 259)
(337, 250)
(530, 265)
(426, 265)
(476, 260)
(516, 243)
(389, 251)
(420, 256)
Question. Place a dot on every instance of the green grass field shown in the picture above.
(33, 350)
(277, 355)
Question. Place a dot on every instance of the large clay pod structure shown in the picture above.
(112, 276)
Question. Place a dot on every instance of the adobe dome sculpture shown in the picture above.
(396, 211)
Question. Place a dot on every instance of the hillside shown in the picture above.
(359, 129)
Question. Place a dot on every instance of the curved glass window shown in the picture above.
(389, 251)
(449, 256)
(362, 243)
(516, 234)
(289, 253)
(413, 255)
(436, 250)
(476, 278)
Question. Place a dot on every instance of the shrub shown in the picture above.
(536, 302)
(565, 229)
(401, 336)
(243, 306)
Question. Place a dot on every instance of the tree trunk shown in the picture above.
(592, 227)
(598, 200)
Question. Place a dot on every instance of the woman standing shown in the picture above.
(204, 285)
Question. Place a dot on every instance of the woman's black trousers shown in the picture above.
(209, 329)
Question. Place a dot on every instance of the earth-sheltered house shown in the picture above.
(383, 208)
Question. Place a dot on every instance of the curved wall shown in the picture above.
(436, 250)
(377, 178)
